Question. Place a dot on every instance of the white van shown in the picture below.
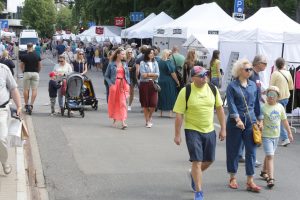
(27, 36)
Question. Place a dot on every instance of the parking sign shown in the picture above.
(136, 16)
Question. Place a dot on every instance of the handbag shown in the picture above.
(156, 86)
(257, 135)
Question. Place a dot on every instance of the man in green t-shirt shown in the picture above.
(198, 115)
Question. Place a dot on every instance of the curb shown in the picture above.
(22, 189)
(36, 180)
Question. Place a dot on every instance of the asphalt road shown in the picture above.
(87, 159)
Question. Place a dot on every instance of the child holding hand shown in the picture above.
(274, 114)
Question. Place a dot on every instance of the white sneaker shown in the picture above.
(129, 108)
(149, 125)
(285, 142)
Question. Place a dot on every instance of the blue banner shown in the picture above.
(4, 24)
(136, 16)
(90, 24)
(239, 6)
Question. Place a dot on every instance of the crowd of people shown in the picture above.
(170, 82)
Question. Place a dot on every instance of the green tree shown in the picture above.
(40, 15)
(64, 19)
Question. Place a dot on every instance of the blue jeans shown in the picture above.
(283, 133)
(234, 139)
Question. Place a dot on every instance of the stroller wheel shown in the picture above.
(95, 105)
(69, 113)
(62, 111)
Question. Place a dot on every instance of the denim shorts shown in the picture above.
(270, 145)
(201, 146)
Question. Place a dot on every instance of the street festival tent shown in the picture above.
(147, 29)
(101, 34)
(205, 19)
(126, 31)
(63, 35)
(268, 32)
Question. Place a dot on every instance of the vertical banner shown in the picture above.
(239, 6)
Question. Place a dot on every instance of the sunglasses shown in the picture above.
(80, 54)
(248, 69)
(203, 75)
(61, 61)
(272, 94)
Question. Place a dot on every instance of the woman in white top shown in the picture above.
(61, 69)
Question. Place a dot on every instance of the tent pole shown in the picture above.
(282, 50)
(141, 41)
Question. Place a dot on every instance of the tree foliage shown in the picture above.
(64, 19)
(40, 15)
(104, 11)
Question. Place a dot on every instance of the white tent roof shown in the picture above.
(266, 25)
(147, 29)
(198, 20)
(126, 31)
(111, 33)
(7, 34)
(202, 42)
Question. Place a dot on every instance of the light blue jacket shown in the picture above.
(144, 68)
(111, 73)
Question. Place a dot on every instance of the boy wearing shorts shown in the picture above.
(273, 113)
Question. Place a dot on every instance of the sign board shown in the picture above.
(120, 21)
(160, 31)
(90, 24)
(238, 16)
(99, 30)
(234, 56)
(136, 16)
(239, 6)
(213, 32)
(4, 25)
(177, 31)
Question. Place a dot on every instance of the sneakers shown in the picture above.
(6, 168)
(257, 164)
(129, 108)
(149, 125)
(198, 195)
(242, 159)
(285, 143)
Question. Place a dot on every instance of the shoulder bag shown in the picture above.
(257, 135)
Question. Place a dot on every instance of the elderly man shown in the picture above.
(8, 86)
(195, 104)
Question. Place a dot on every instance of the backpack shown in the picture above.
(188, 93)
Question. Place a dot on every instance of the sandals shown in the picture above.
(253, 188)
(124, 126)
(233, 184)
(264, 175)
(270, 183)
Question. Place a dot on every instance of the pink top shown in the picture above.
(297, 80)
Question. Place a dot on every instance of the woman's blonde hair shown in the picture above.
(191, 57)
(127, 52)
(165, 54)
(5, 54)
(238, 65)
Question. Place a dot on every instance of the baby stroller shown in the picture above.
(74, 94)
(89, 96)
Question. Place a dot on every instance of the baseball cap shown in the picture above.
(51, 74)
(198, 71)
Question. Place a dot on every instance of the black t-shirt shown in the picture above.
(139, 59)
(53, 86)
(31, 61)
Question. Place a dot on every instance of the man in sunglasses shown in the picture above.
(198, 114)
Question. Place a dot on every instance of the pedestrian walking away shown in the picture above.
(8, 87)
(283, 80)
(30, 66)
(197, 110)
(244, 110)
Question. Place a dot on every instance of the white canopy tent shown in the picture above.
(147, 29)
(111, 33)
(263, 33)
(7, 34)
(206, 19)
(202, 42)
(125, 32)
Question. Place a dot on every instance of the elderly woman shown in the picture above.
(244, 110)
(148, 95)
(118, 80)
(61, 69)
(168, 82)
(79, 64)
